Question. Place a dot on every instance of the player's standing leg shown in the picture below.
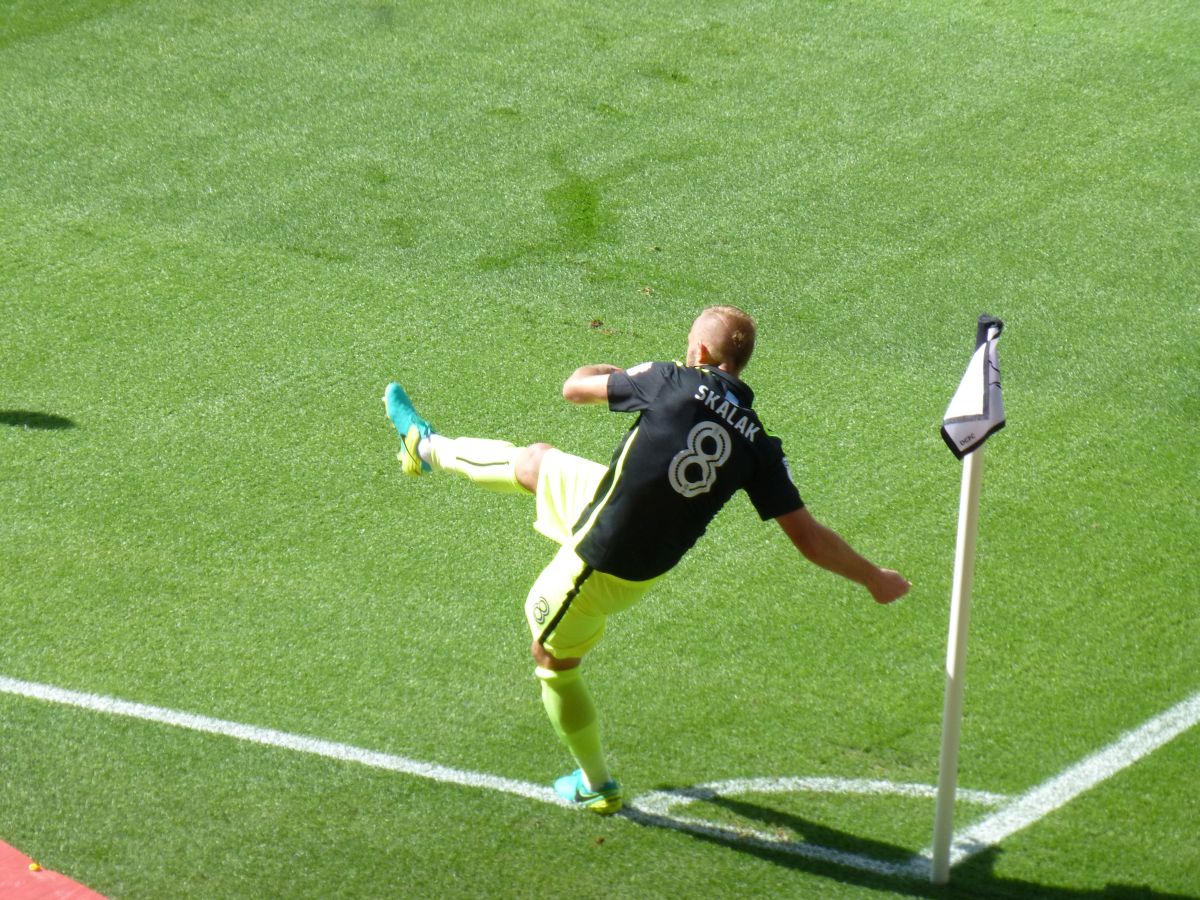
(500, 466)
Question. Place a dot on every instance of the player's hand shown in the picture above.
(888, 585)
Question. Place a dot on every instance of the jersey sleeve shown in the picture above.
(773, 492)
(633, 390)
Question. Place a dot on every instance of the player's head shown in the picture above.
(722, 336)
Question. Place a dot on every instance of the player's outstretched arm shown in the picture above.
(824, 547)
(589, 384)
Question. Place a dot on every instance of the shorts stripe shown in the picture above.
(566, 604)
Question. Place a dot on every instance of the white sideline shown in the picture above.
(655, 806)
(283, 739)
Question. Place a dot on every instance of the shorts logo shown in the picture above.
(541, 610)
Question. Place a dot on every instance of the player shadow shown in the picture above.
(24, 418)
(975, 878)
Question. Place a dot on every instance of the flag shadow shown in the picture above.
(39, 421)
(975, 878)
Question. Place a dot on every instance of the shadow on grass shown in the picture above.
(23, 418)
(974, 878)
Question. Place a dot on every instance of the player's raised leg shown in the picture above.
(497, 465)
(409, 425)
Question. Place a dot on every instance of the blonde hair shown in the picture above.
(729, 334)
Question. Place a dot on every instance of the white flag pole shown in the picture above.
(956, 663)
(956, 658)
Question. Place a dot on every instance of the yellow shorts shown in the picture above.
(569, 602)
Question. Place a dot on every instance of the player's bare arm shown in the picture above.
(824, 547)
(589, 384)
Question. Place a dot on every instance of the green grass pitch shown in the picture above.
(225, 226)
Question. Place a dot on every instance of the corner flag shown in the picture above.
(976, 411)
(977, 408)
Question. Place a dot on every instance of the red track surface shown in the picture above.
(19, 882)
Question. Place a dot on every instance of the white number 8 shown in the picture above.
(696, 455)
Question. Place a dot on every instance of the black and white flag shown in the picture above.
(977, 408)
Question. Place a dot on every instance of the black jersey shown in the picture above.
(695, 444)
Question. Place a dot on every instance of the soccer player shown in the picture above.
(697, 441)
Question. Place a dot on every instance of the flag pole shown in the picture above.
(956, 663)
(960, 618)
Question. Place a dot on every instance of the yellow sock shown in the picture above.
(573, 715)
(489, 463)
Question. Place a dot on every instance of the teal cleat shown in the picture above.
(573, 788)
(409, 425)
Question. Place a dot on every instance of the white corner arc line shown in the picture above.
(913, 867)
(660, 802)
(1048, 796)
(656, 808)
(282, 739)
